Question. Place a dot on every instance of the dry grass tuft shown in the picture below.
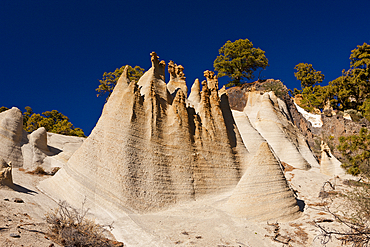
(38, 171)
(69, 227)
(41, 172)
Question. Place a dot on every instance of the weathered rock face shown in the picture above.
(5, 173)
(270, 117)
(263, 192)
(150, 150)
(11, 132)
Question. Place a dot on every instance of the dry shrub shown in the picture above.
(38, 171)
(70, 227)
(355, 218)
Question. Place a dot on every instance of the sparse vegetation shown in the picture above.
(109, 80)
(355, 218)
(277, 87)
(356, 151)
(40, 171)
(70, 227)
(53, 121)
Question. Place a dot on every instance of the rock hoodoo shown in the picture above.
(150, 149)
(263, 192)
(177, 78)
(329, 165)
(11, 132)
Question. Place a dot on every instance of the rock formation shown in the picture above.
(62, 147)
(5, 173)
(35, 151)
(48, 150)
(263, 192)
(194, 96)
(11, 132)
(329, 165)
(150, 150)
(271, 118)
(177, 78)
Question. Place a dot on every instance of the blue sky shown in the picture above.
(54, 52)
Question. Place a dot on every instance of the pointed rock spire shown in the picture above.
(123, 79)
(329, 165)
(153, 80)
(194, 97)
(266, 114)
(263, 192)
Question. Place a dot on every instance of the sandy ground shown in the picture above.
(22, 223)
(200, 223)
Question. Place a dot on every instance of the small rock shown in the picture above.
(18, 200)
(14, 235)
(6, 199)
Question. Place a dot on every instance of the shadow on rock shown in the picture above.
(21, 189)
(301, 204)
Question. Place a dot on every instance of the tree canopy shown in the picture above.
(53, 121)
(109, 80)
(308, 75)
(351, 90)
(238, 60)
(356, 150)
(3, 108)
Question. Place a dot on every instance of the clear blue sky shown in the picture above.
(53, 52)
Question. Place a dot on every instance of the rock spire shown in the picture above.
(263, 192)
